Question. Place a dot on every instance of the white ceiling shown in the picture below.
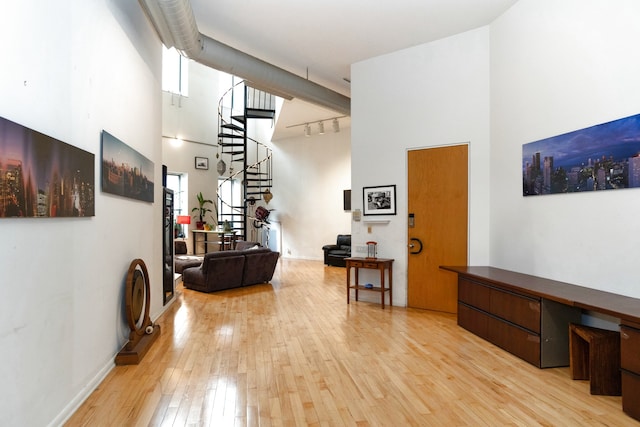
(321, 39)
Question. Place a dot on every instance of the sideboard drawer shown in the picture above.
(505, 335)
(630, 349)
(521, 310)
(473, 320)
(515, 340)
(515, 308)
(631, 394)
(474, 294)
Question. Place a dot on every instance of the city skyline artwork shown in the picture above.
(600, 157)
(41, 176)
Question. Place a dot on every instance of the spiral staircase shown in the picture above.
(248, 161)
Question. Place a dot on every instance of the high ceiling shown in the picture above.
(320, 40)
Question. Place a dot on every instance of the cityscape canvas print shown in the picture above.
(125, 172)
(601, 157)
(41, 176)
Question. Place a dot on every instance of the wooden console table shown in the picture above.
(381, 264)
(224, 239)
(511, 310)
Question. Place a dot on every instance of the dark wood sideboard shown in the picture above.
(529, 316)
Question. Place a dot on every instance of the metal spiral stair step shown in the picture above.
(233, 127)
(230, 135)
(256, 113)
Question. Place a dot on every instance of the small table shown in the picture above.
(381, 264)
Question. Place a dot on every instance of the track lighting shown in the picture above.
(307, 129)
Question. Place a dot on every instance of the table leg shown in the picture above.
(382, 285)
(348, 283)
(357, 282)
(390, 284)
(193, 234)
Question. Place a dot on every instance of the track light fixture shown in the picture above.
(307, 129)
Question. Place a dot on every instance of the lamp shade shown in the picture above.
(183, 219)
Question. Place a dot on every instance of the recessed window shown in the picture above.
(175, 72)
(177, 183)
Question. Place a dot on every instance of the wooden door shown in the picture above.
(438, 200)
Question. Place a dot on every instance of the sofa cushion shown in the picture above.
(222, 273)
(186, 261)
(242, 245)
(215, 255)
(340, 253)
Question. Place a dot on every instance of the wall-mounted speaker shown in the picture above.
(346, 200)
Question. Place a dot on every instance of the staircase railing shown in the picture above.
(249, 160)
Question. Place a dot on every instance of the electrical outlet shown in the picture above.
(361, 249)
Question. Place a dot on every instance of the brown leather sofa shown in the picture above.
(231, 269)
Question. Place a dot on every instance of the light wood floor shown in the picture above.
(293, 353)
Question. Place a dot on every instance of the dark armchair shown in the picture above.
(335, 254)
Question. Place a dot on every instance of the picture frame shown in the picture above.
(380, 200)
(202, 163)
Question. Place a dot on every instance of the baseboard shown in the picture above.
(302, 258)
(89, 388)
(82, 395)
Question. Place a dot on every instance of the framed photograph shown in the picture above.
(202, 163)
(379, 200)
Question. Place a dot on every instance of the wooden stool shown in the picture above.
(594, 354)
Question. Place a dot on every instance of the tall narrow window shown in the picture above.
(230, 192)
(178, 183)
(175, 72)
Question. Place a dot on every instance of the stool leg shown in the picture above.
(578, 357)
(605, 367)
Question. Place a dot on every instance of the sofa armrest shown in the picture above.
(330, 247)
(259, 266)
(193, 277)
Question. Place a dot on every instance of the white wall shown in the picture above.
(310, 174)
(71, 69)
(195, 120)
(559, 66)
(431, 95)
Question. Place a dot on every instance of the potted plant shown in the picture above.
(202, 209)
